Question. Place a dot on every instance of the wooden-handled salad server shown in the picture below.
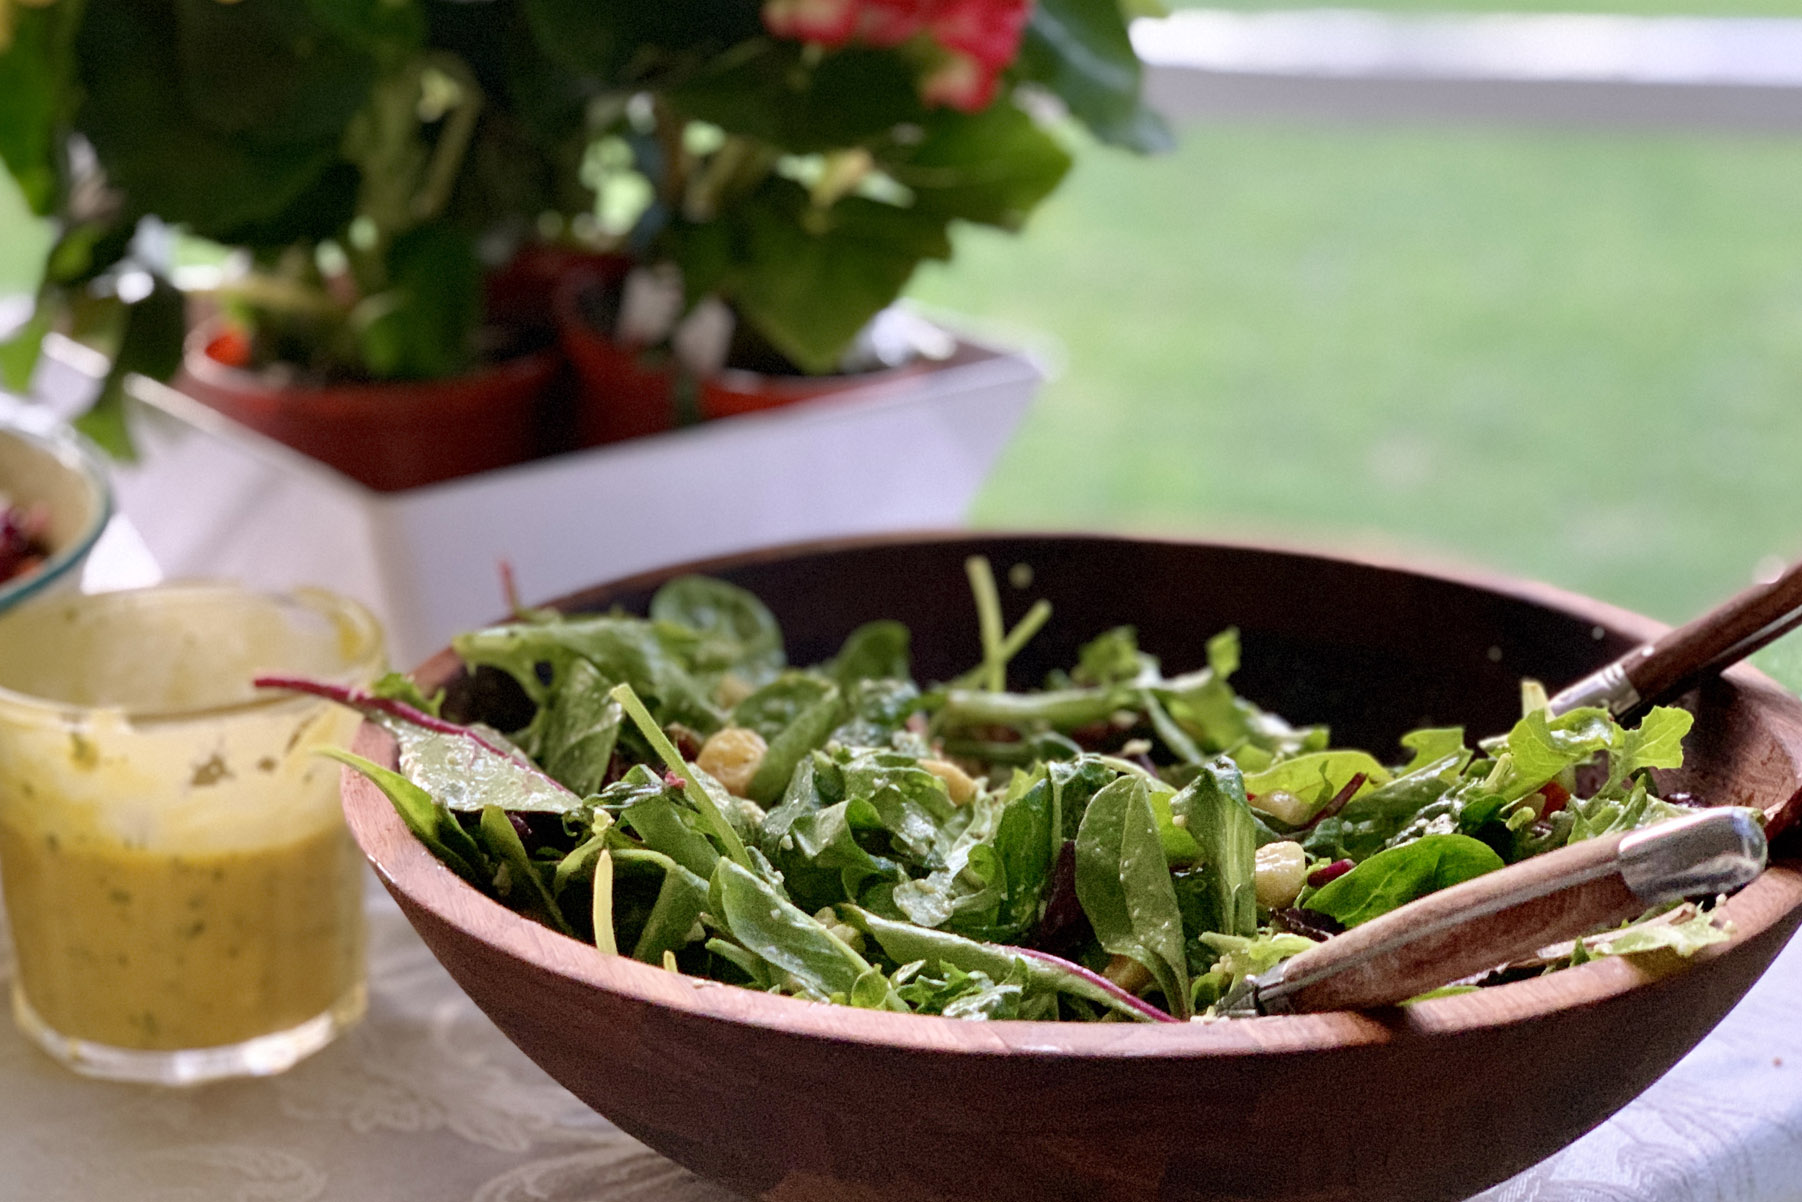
(1512, 913)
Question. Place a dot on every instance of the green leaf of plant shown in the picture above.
(1123, 883)
(36, 97)
(1081, 50)
(991, 167)
(149, 346)
(424, 324)
(808, 280)
(1398, 875)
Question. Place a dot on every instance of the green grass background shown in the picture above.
(1576, 357)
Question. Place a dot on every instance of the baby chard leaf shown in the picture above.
(1123, 883)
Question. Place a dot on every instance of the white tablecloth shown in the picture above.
(427, 1102)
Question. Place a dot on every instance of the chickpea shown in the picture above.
(1280, 870)
(732, 757)
(1283, 805)
(958, 783)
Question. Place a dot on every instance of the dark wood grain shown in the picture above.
(791, 1100)
(1433, 950)
(1750, 620)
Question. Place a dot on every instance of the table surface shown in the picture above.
(426, 1101)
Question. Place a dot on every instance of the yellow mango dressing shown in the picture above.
(183, 897)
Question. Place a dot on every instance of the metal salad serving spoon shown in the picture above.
(1512, 913)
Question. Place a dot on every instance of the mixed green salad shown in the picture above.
(1122, 843)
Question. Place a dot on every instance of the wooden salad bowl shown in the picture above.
(804, 1102)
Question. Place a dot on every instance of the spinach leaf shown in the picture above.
(874, 651)
(1123, 883)
(430, 820)
(763, 921)
(674, 920)
(805, 732)
(737, 631)
(672, 830)
(1398, 875)
(1215, 815)
(517, 879)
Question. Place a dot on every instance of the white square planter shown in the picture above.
(212, 498)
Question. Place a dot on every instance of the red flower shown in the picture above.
(966, 43)
(960, 81)
(986, 30)
(829, 22)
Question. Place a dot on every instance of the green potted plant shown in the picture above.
(359, 158)
(781, 168)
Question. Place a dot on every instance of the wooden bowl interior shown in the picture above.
(780, 1098)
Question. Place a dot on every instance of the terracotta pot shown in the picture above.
(734, 392)
(390, 435)
(623, 394)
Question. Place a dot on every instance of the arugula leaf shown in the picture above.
(905, 943)
(704, 802)
(670, 829)
(1398, 875)
(1374, 817)
(1123, 883)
